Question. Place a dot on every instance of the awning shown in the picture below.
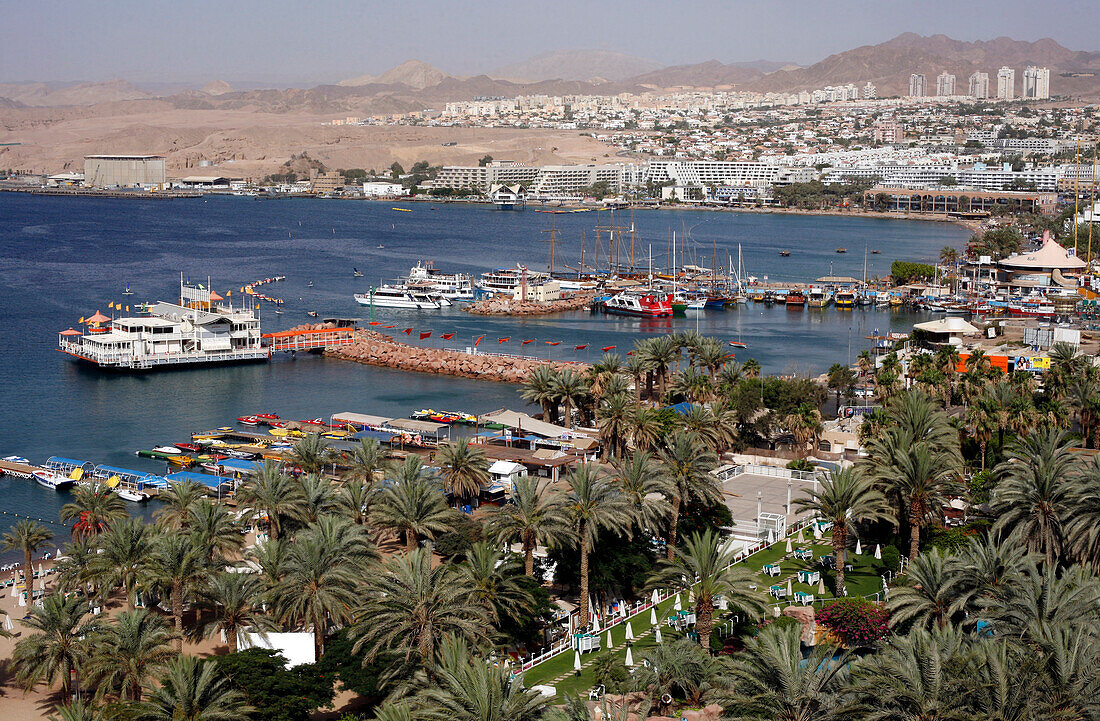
(381, 436)
(524, 422)
(203, 478)
(422, 427)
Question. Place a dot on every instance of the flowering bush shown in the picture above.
(857, 621)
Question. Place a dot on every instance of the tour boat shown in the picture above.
(454, 286)
(49, 479)
(795, 299)
(393, 296)
(1035, 308)
(644, 303)
(818, 298)
(510, 280)
(845, 299)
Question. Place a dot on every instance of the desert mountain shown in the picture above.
(889, 64)
(55, 95)
(606, 65)
(412, 73)
(708, 74)
(217, 87)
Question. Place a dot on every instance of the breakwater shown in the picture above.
(377, 349)
(512, 306)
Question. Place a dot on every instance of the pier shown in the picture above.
(308, 338)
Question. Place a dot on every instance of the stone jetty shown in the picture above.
(378, 349)
(513, 306)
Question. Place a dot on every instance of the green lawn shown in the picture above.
(863, 580)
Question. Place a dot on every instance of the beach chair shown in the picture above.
(804, 554)
(809, 577)
(779, 591)
(771, 569)
(804, 598)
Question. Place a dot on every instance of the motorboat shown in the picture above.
(51, 479)
(644, 303)
(845, 298)
(132, 496)
(394, 296)
(795, 299)
(818, 298)
(449, 286)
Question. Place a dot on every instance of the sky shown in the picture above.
(276, 41)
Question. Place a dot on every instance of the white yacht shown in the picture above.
(509, 280)
(396, 296)
(453, 286)
(52, 480)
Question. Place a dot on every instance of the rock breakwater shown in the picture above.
(512, 306)
(377, 349)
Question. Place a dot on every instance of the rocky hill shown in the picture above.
(601, 65)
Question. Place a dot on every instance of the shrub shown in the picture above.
(455, 543)
(278, 693)
(857, 621)
(891, 558)
(979, 486)
(950, 541)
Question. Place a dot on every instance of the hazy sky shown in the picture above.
(321, 41)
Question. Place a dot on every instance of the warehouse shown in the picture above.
(123, 171)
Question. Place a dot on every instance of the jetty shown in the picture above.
(377, 349)
(502, 305)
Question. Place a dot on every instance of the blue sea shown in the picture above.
(64, 258)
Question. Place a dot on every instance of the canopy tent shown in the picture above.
(524, 422)
(135, 478)
(380, 436)
(681, 408)
(951, 324)
(424, 428)
(239, 465)
(1050, 256)
(360, 420)
(203, 478)
(68, 466)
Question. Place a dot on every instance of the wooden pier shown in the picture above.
(20, 470)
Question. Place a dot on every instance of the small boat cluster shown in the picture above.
(250, 289)
(424, 288)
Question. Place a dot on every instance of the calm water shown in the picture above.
(63, 258)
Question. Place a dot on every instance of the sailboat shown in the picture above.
(740, 298)
(127, 291)
(356, 273)
(310, 284)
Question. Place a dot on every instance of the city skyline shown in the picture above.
(279, 41)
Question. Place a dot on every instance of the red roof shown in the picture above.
(97, 318)
(70, 331)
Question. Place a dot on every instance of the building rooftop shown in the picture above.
(124, 157)
(1051, 255)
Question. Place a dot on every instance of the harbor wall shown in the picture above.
(377, 349)
(511, 306)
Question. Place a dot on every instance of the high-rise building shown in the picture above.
(888, 130)
(916, 85)
(1006, 84)
(870, 92)
(1036, 83)
(979, 86)
(945, 84)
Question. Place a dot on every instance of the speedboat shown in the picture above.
(392, 296)
(166, 449)
(52, 480)
(645, 303)
(132, 496)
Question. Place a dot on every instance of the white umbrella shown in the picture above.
(629, 632)
(653, 616)
(58, 554)
(777, 612)
(691, 595)
(656, 598)
(40, 574)
(789, 549)
(859, 548)
(657, 636)
(629, 657)
(789, 589)
(577, 661)
(609, 642)
(8, 624)
(821, 586)
(817, 532)
(595, 623)
(771, 536)
(622, 607)
(677, 605)
(878, 552)
(801, 538)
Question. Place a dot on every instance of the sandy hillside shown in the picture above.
(247, 144)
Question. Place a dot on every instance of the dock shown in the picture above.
(20, 470)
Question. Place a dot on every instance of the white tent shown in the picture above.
(629, 632)
(629, 657)
(657, 636)
(610, 644)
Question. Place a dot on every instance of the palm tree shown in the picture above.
(465, 469)
(688, 463)
(193, 690)
(804, 423)
(730, 376)
(636, 367)
(177, 498)
(473, 689)
(726, 424)
(175, 568)
(614, 418)
(127, 652)
(647, 428)
(980, 423)
(923, 479)
(1045, 597)
(74, 568)
(603, 370)
(78, 710)
(92, 508)
(751, 368)
(928, 594)
(660, 353)
(570, 390)
(1035, 498)
(58, 649)
(412, 606)
(710, 356)
(682, 669)
(273, 492)
(865, 362)
(844, 498)
(533, 517)
(366, 460)
(693, 386)
(1084, 396)
(213, 530)
(592, 502)
(772, 680)
(948, 255)
(230, 602)
(1066, 367)
(318, 586)
(353, 500)
(124, 552)
(538, 388)
(318, 497)
(706, 557)
(413, 505)
(311, 453)
(987, 571)
(27, 536)
(697, 420)
(271, 557)
(494, 580)
(646, 485)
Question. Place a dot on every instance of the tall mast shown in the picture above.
(1076, 191)
(1092, 203)
(553, 239)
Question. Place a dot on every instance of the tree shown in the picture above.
(485, 160)
(570, 391)
(465, 469)
(845, 498)
(127, 652)
(841, 380)
(927, 595)
(410, 607)
(193, 690)
(688, 464)
(230, 602)
(865, 362)
(533, 517)
(277, 693)
(614, 417)
(922, 478)
(494, 580)
(412, 505)
(58, 649)
(26, 536)
(272, 492)
(178, 497)
(772, 680)
(804, 423)
(92, 508)
(592, 502)
(124, 549)
(396, 171)
(174, 568)
(706, 563)
(213, 530)
(366, 459)
(311, 453)
(646, 485)
(318, 497)
(538, 388)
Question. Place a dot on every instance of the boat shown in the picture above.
(845, 298)
(510, 280)
(795, 299)
(52, 480)
(172, 450)
(738, 344)
(356, 273)
(842, 250)
(311, 313)
(310, 284)
(640, 302)
(451, 286)
(785, 253)
(1032, 308)
(395, 296)
(132, 496)
(697, 304)
(248, 421)
(818, 298)
(402, 210)
(198, 327)
(875, 252)
(127, 291)
(192, 447)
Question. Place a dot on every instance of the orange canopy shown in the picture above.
(214, 296)
(97, 318)
(70, 331)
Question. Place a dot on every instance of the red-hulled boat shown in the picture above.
(644, 303)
